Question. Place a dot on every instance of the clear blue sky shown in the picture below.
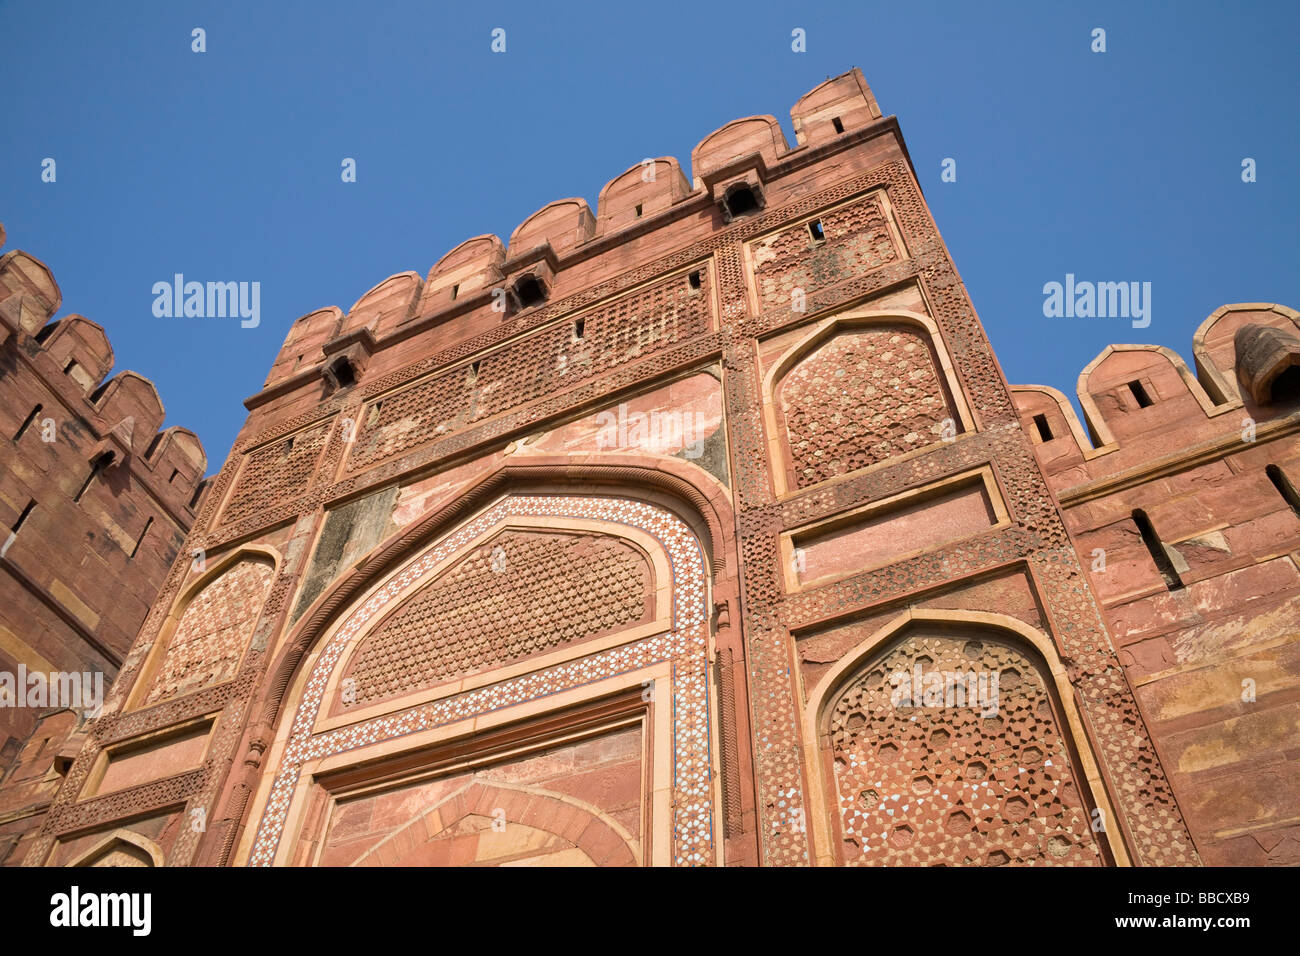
(225, 165)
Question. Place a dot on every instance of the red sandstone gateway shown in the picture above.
(700, 530)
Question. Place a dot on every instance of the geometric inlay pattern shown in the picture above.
(936, 764)
(860, 398)
(518, 595)
(213, 632)
(685, 645)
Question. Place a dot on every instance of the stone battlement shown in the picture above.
(73, 356)
(1142, 403)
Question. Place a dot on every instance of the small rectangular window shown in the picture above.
(96, 467)
(140, 540)
(1140, 394)
(579, 327)
(455, 290)
(816, 231)
(638, 210)
(22, 518)
(1284, 487)
(839, 127)
(1157, 551)
(27, 422)
(694, 279)
(1044, 430)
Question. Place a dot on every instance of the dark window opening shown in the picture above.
(102, 461)
(1044, 430)
(175, 474)
(1140, 394)
(473, 372)
(344, 374)
(1286, 387)
(198, 493)
(839, 127)
(529, 292)
(638, 210)
(740, 201)
(27, 423)
(579, 327)
(72, 363)
(288, 447)
(455, 290)
(140, 540)
(1284, 487)
(26, 513)
(694, 279)
(1157, 551)
(816, 231)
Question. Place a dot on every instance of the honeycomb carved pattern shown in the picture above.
(278, 472)
(857, 240)
(213, 632)
(623, 331)
(519, 595)
(949, 771)
(862, 397)
(685, 645)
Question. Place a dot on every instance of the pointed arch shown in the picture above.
(822, 333)
(265, 555)
(653, 500)
(701, 501)
(1089, 781)
(120, 837)
(591, 831)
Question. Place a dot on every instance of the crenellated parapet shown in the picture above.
(557, 250)
(1143, 403)
(122, 415)
(95, 501)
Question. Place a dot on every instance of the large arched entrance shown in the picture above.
(540, 672)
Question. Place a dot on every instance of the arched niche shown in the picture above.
(916, 755)
(204, 639)
(859, 389)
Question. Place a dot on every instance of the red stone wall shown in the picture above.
(1211, 651)
(81, 572)
(651, 582)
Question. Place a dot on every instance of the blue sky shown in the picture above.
(1115, 166)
